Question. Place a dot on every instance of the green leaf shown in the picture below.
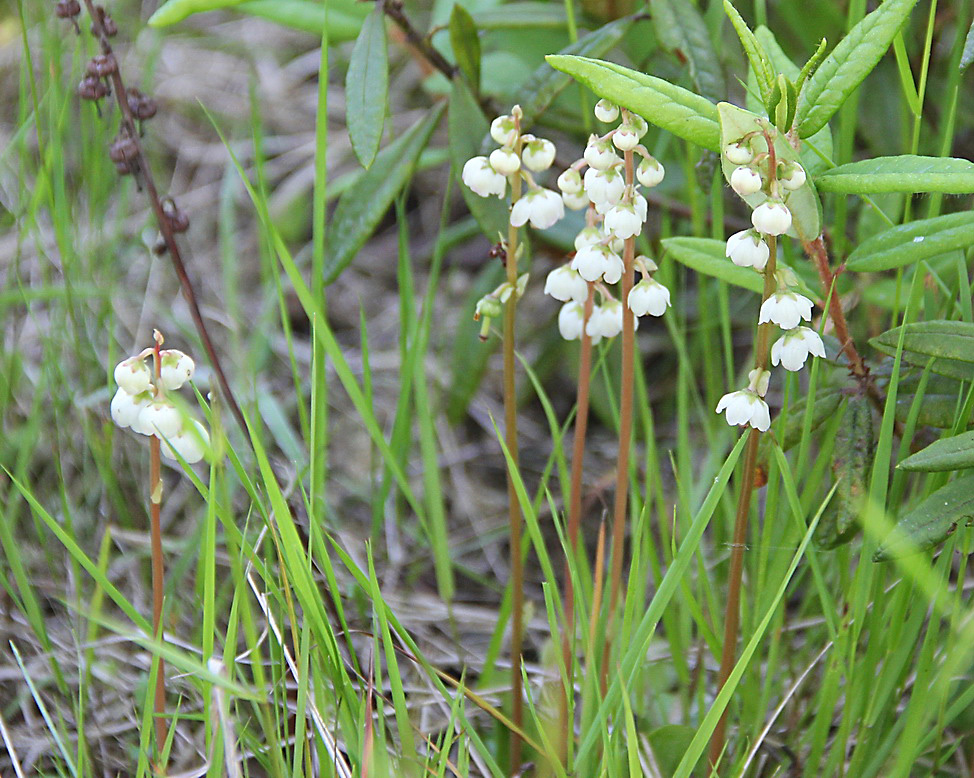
(827, 402)
(176, 10)
(852, 462)
(968, 56)
(682, 30)
(913, 242)
(673, 108)
(707, 256)
(669, 743)
(906, 173)
(466, 44)
(361, 208)
(956, 453)
(803, 202)
(344, 18)
(467, 128)
(848, 64)
(518, 16)
(949, 343)
(931, 522)
(546, 83)
(367, 88)
(936, 410)
(756, 55)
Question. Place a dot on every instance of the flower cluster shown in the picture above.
(141, 403)
(786, 308)
(616, 213)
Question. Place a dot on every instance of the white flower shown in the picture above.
(593, 261)
(571, 321)
(538, 154)
(606, 320)
(745, 407)
(650, 172)
(504, 130)
(641, 206)
(161, 418)
(604, 187)
(575, 202)
(606, 112)
(623, 221)
(738, 154)
(793, 348)
(482, 179)
(189, 443)
(786, 309)
(758, 380)
(771, 218)
(638, 124)
(570, 182)
(126, 407)
(599, 154)
(566, 284)
(133, 375)
(176, 369)
(541, 207)
(745, 181)
(625, 138)
(649, 297)
(794, 177)
(747, 249)
(505, 161)
(615, 269)
(589, 236)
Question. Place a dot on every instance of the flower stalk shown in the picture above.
(158, 562)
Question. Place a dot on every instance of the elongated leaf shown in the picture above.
(673, 108)
(912, 242)
(521, 15)
(176, 10)
(906, 173)
(954, 453)
(852, 461)
(546, 83)
(968, 56)
(707, 256)
(949, 343)
(344, 19)
(931, 522)
(936, 410)
(669, 743)
(466, 44)
(848, 64)
(361, 208)
(367, 88)
(682, 30)
(756, 55)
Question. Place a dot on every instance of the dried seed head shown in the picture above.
(67, 9)
(108, 25)
(178, 220)
(123, 168)
(123, 149)
(140, 104)
(102, 65)
(92, 88)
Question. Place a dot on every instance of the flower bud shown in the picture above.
(505, 161)
(745, 181)
(625, 138)
(189, 443)
(604, 187)
(771, 218)
(538, 154)
(570, 182)
(176, 369)
(606, 112)
(599, 154)
(650, 172)
(133, 375)
(504, 130)
(738, 153)
(575, 202)
(793, 177)
(160, 418)
(125, 407)
(747, 249)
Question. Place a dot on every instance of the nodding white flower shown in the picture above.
(615, 269)
(504, 130)
(771, 218)
(793, 176)
(190, 443)
(176, 369)
(793, 348)
(575, 202)
(126, 407)
(133, 375)
(505, 161)
(641, 206)
(606, 320)
(625, 138)
(593, 261)
(161, 418)
(747, 249)
(623, 221)
(604, 187)
(745, 407)
(482, 179)
(650, 172)
(745, 181)
(566, 284)
(541, 207)
(599, 154)
(589, 236)
(738, 153)
(638, 124)
(649, 297)
(571, 320)
(538, 154)
(786, 309)
(570, 182)
(606, 112)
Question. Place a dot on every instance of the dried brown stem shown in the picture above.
(394, 10)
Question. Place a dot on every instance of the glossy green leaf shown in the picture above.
(949, 343)
(707, 256)
(803, 202)
(466, 44)
(344, 19)
(760, 61)
(931, 522)
(682, 30)
(546, 83)
(367, 88)
(361, 208)
(906, 173)
(848, 64)
(913, 242)
(955, 453)
(673, 108)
